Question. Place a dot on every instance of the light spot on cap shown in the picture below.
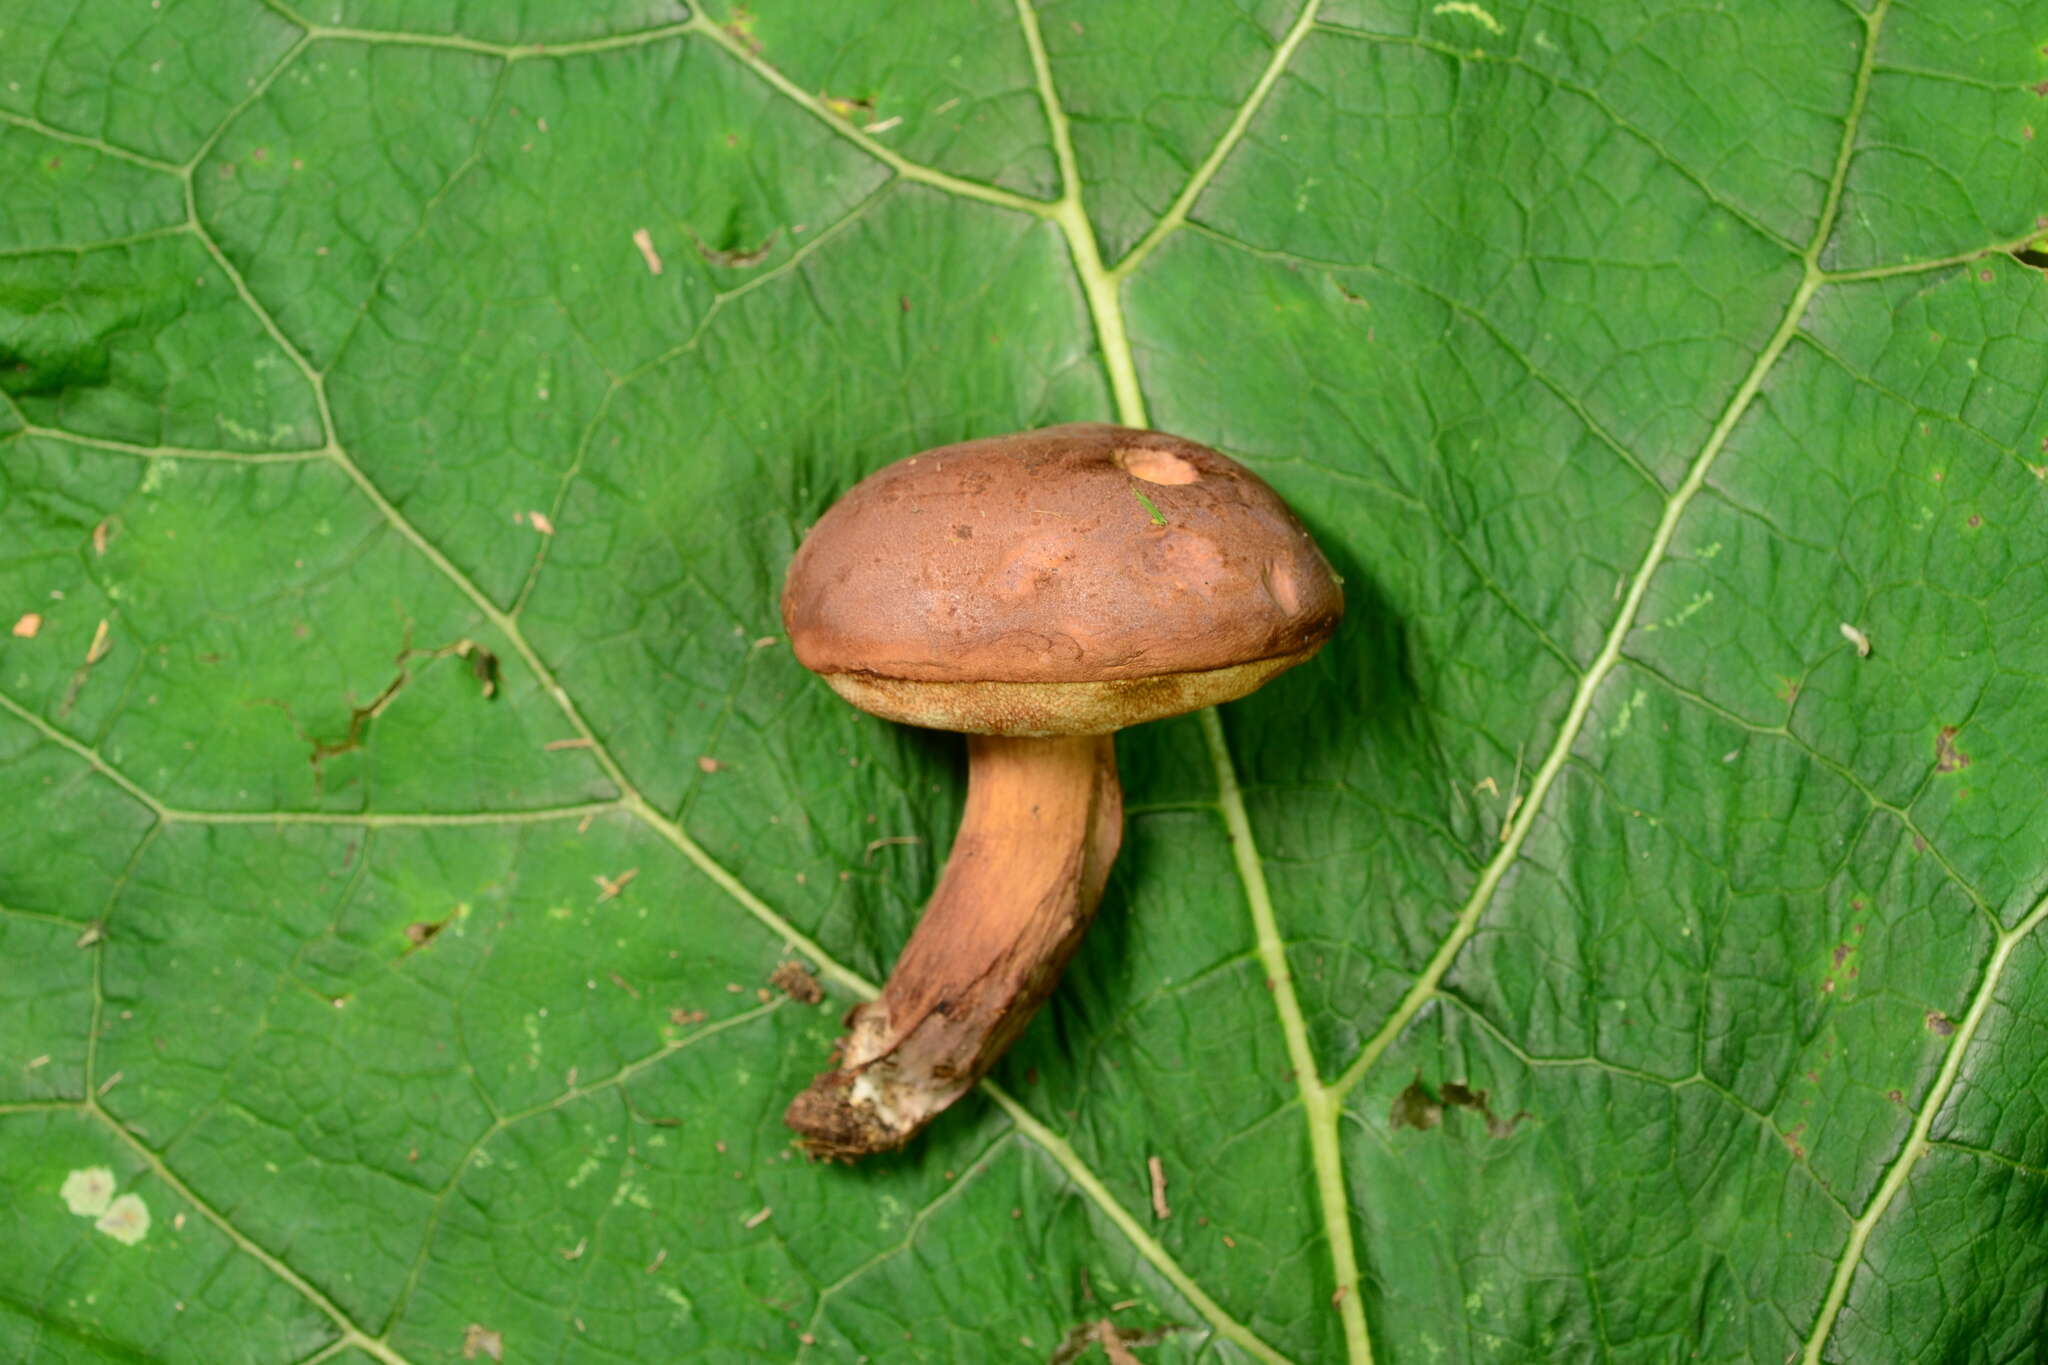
(1157, 466)
(1283, 587)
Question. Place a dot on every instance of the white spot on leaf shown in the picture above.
(88, 1192)
(1473, 12)
(126, 1220)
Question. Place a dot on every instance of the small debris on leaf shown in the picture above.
(93, 933)
(643, 239)
(609, 887)
(579, 742)
(1940, 1023)
(541, 522)
(1858, 639)
(97, 650)
(1157, 1169)
(794, 980)
(1947, 757)
(28, 625)
(707, 764)
(683, 1018)
(757, 1219)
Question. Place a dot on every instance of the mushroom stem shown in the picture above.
(1044, 819)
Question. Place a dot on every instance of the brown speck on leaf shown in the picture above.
(1157, 1169)
(903, 302)
(28, 625)
(655, 1264)
(1947, 757)
(421, 932)
(1895, 1096)
(706, 763)
(623, 984)
(1842, 951)
(574, 1253)
(479, 1340)
(683, 1018)
(794, 980)
(1973, 521)
(1940, 1023)
(99, 536)
(555, 745)
(609, 887)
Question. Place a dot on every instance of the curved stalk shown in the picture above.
(1043, 822)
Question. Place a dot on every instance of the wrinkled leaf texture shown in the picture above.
(1666, 381)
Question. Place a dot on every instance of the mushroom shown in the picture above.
(1037, 591)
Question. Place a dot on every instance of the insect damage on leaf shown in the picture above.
(1415, 1107)
(736, 258)
(479, 1340)
(794, 980)
(1947, 757)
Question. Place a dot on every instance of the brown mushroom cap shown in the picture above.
(1072, 580)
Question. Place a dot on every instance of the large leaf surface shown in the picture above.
(1656, 375)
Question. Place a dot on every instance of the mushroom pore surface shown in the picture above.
(1097, 575)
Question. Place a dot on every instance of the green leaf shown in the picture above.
(1623, 942)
